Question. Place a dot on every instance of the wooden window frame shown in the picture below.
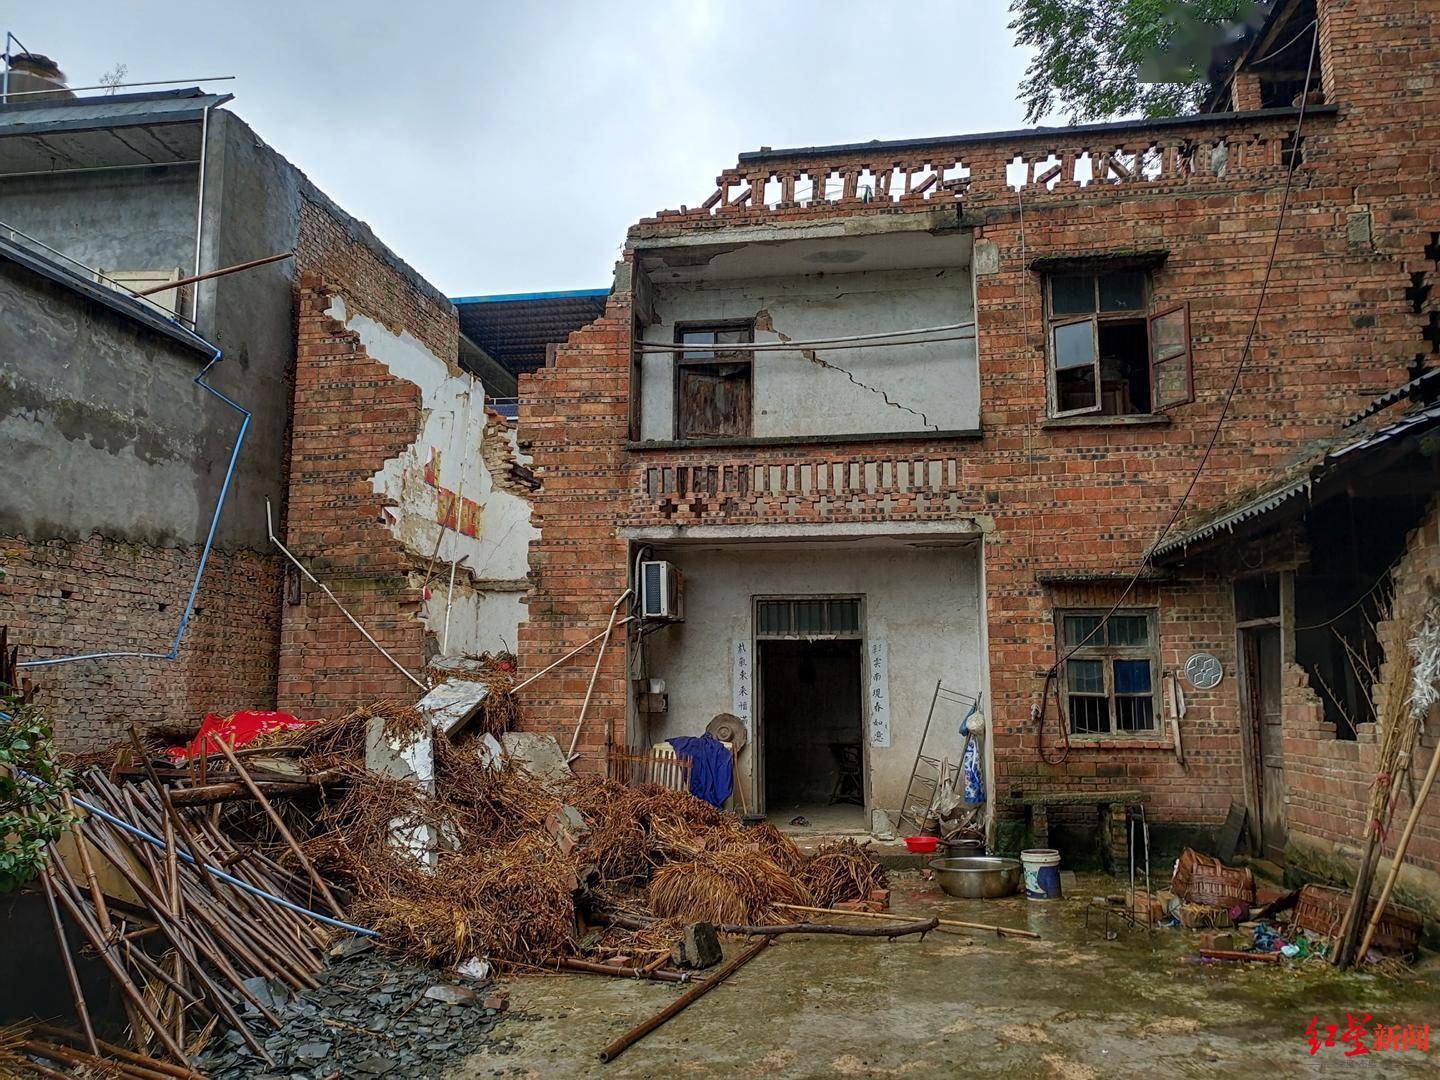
(1108, 654)
(857, 634)
(1185, 355)
(1147, 313)
(717, 356)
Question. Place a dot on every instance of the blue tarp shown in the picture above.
(712, 776)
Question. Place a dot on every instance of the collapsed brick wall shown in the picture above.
(350, 415)
(105, 595)
(1337, 330)
(1329, 779)
(574, 417)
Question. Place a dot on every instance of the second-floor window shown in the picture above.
(714, 387)
(1111, 352)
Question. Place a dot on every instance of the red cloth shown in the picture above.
(236, 729)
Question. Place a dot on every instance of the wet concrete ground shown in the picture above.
(1072, 1006)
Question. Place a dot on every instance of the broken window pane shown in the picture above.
(1135, 713)
(1072, 295)
(1109, 679)
(1123, 291)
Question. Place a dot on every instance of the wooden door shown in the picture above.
(1262, 684)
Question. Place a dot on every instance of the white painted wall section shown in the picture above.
(921, 599)
(442, 477)
(933, 386)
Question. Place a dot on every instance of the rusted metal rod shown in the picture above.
(894, 930)
(566, 963)
(214, 273)
(1004, 931)
(635, 1034)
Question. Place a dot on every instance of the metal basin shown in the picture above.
(977, 877)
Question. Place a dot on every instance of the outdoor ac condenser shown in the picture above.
(661, 595)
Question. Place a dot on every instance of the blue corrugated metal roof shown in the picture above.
(515, 328)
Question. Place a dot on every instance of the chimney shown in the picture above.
(37, 78)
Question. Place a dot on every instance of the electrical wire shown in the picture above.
(1282, 48)
(1052, 676)
(174, 650)
(852, 341)
(1360, 600)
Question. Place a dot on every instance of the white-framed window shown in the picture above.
(1111, 681)
(1111, 352)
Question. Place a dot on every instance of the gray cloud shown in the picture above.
(506, 147)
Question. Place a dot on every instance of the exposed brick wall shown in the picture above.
(355, 265)
(1337, 330)
(350, 415)
(105, 595)
(574, 418)
(1328, 778)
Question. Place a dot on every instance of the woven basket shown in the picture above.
(1200, 879)
(1321, 910)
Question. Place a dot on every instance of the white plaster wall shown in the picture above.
(935, 385)
(923, 600)
(453, 409)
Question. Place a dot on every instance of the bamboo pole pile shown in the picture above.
(185, 955)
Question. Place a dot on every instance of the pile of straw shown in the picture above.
(732, 886)
(840, 872)
(504, 887)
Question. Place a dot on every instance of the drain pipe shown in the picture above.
(200, 212)
(174, 649)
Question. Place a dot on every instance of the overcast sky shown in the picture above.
(506, 147)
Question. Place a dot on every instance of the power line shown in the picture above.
(1052, 676)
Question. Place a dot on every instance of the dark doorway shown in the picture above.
(1261, 653)
(810, 716)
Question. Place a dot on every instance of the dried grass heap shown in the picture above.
(505, 881)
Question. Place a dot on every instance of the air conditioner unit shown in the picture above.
(661, 591)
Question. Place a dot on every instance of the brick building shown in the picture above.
(1015, 349)
(369, 435)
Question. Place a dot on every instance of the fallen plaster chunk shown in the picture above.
(476, 968)
(450, 705)
(537, 754)
(489, 751)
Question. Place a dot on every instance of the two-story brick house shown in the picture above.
(941, 396)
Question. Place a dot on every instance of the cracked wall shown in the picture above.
(932, 386)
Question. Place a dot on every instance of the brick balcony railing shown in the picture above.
(830, 488)
(1092, 158)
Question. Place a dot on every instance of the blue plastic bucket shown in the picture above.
(1042, 873)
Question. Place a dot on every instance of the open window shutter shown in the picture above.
(1074, 367)
(1172, 377)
